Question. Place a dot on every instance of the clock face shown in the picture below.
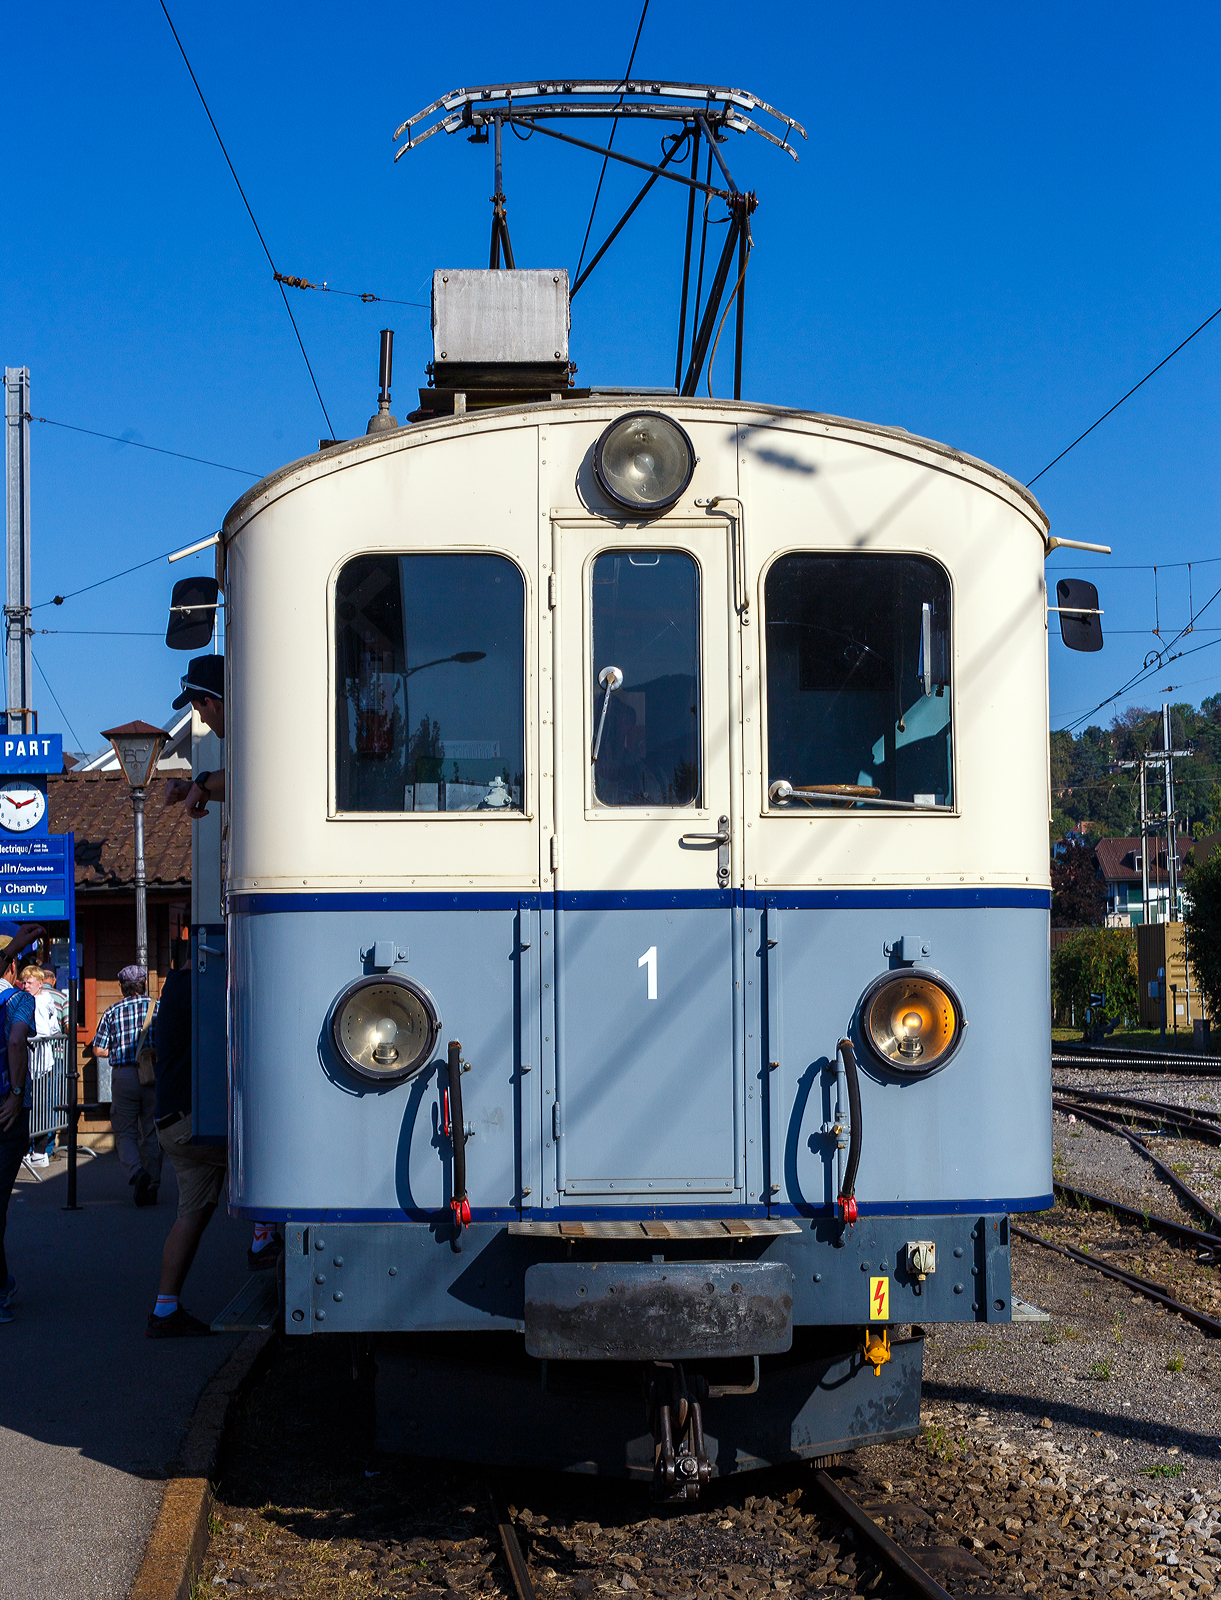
(21, 807)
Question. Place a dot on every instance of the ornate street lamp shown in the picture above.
(137, 746)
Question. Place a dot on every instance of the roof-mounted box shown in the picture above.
(500, 317)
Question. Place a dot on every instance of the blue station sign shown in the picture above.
(34, 876)
(32, 752)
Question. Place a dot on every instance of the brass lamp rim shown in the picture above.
(912, 1057)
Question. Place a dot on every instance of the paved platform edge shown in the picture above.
(179, 1540)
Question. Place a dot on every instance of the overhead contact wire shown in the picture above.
(1122, 398)
(58, 600)
(614, 126)
(94, 434)
(251, 215)
(55, 697)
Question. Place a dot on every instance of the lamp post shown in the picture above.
(137, 746)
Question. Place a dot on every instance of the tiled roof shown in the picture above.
(96, 806)
(1119, 859)
(1115, 857)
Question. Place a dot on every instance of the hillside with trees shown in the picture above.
(1089, 795)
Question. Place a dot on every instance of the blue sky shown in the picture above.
(1002, 219)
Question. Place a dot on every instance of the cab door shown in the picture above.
(648, 1067)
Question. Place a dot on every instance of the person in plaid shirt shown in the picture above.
(132, 1104)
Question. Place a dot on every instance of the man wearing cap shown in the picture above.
(132, 1104)
(203, 689)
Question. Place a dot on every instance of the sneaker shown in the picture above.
(146, 1190)
(179, 1324)
(266, 1259)
(39, 1158)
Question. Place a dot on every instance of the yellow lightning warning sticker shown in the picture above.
(879, 1299)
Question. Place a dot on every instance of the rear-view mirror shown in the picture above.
(192, 613)
(1080, 618)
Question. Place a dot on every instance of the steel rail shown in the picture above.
(1185, 1118)
(1144, 1286)
(1165, 1062)
(891, 1554)
(1139, 1145)
(519, 1571)
(1119, 1099)
(1150, 1219)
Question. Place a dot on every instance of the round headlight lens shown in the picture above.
(911, 1022)
(385, 1027)
(644, 461)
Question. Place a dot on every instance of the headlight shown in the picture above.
(911, 1022)
(644, 461)
(385, 1027)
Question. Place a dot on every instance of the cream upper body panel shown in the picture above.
(519, 483)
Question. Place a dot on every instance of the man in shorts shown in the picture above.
(199, 1168)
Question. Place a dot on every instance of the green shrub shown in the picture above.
(1203, 918)
(1099, 961)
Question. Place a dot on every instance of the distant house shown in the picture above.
(1119, 865)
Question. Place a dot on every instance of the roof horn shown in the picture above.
(383, 422)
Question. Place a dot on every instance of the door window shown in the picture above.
(430, 661)
(858, 679)
(645, 679)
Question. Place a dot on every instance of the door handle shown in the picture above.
(721, 839)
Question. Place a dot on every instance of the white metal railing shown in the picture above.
(48, 1083)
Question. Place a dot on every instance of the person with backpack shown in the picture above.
(123, 1034)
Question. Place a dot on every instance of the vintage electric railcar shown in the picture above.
(638, 972)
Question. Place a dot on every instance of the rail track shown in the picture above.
(891, 1555)
(1132, 1280)
(1165, 1063)
(1105, 1124)
(1180, 1232)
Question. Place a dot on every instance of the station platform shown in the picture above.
(91, 1412)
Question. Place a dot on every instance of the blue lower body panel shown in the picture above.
(820, 1400)
(392, 1277)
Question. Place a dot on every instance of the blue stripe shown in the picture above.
(367, 1214)
(891, 1208)
(647, 899)
(424, 900)
(982, 898)
(924, 1208)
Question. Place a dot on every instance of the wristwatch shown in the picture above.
(201, 781)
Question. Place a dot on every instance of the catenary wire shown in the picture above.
(55, 697)
(58, 600)
(352, 294)
(1122, 398)
(94, 434)
(614, 126)
(1147, 671)
(1136, 566)
(250, 214)
(1137, 678)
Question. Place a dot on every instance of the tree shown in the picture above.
(1078, 894)
(1095, 961)
(1203, 920)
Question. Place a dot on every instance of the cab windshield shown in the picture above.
(858, 681)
